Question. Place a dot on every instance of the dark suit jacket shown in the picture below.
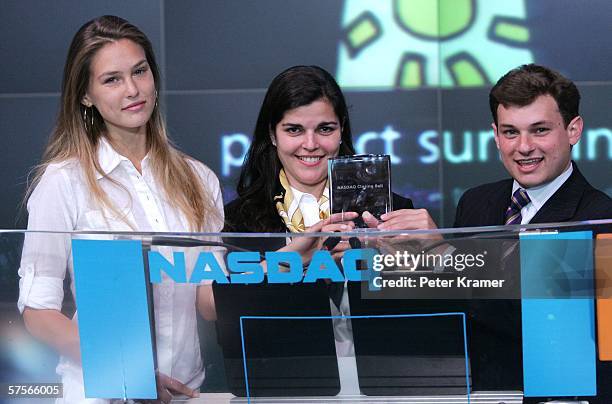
(495, 325)
(575, 200)
(240, 223)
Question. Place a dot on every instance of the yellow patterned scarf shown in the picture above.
(295, 223)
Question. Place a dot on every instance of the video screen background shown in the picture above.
(393, 59)
(416, 74)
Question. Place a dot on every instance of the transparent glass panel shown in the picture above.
(522, 303)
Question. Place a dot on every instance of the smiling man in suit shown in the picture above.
(536, 124)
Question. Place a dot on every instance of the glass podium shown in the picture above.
(506, 314)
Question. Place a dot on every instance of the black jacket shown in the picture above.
(239, 222)
(495, 325)
(575, 200)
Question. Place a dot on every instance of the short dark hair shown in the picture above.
(521, 86)
(259, 182)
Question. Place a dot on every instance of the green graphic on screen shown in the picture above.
(416, 43)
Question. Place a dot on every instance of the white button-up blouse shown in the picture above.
(62, 202)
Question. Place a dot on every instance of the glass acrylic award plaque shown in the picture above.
(360, 183)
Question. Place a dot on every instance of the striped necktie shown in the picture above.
(518, 201)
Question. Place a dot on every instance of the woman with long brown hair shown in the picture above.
(109, 165)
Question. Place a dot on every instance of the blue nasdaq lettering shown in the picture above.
(207, 268)
(159, 263)
(246, 267)
(323, 266)
(284, 267)
(351, 267)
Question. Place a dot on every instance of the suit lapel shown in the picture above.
(561, 207)
(498, 202)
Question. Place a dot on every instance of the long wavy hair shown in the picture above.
(77, 134)
(259, 182)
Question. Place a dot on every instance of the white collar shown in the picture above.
(109, 158)
(298, 195)
(540, 194)
(308, 205)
